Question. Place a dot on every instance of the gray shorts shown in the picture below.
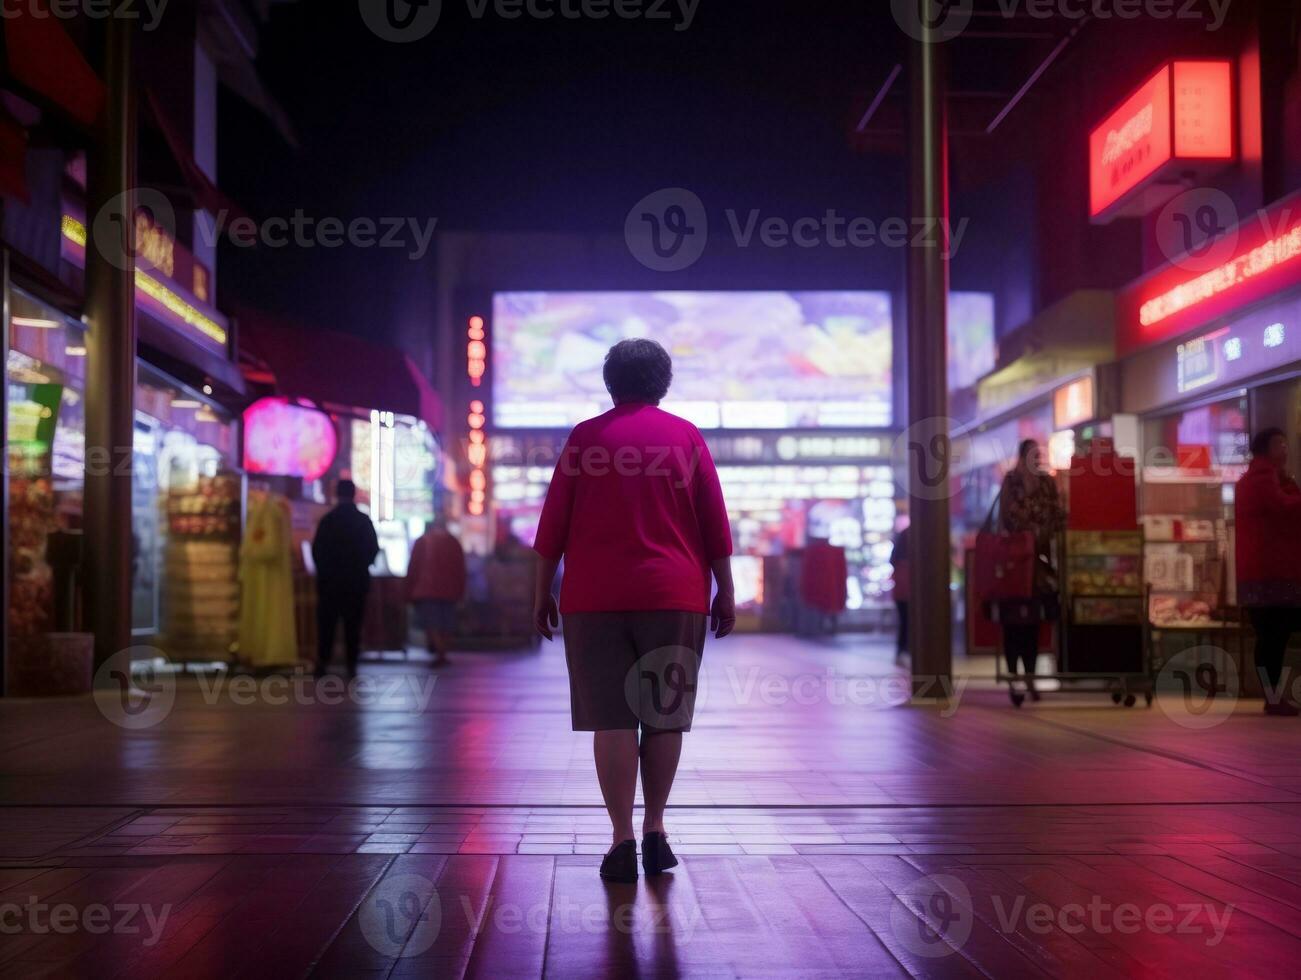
(436, 615)
(634, 669)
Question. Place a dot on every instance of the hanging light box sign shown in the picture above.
(1177, 125)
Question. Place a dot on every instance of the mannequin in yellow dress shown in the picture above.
(266, 622)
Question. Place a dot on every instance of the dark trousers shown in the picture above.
(332, 604)
(1021, 643)
(1274, 626)
(901, 641)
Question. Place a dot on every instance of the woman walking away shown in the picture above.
(636, 510)
(1267, 512)
(435, 584)
(1029, 502)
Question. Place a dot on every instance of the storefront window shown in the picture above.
(186, 522)
(45, 373)
(394, 460)
(1192, 459)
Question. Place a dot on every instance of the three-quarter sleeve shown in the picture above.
(553, 526)
(715, 529)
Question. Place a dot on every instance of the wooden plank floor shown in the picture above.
(455, 830)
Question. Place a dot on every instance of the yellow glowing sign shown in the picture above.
(173, 302)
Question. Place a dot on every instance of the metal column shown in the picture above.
(5, 313)
(928, 439)
(111, 351)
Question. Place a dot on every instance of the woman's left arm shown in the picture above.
(553, 536)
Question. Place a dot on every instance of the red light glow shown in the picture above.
(1183, 113)
(1130, 144)
(1262, 259)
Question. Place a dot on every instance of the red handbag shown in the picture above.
(1004, 562)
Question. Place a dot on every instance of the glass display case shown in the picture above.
(1104, 598)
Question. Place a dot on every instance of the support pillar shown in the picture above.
(928, 448)
(111, 351)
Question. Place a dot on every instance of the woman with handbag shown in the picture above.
(1029, 502)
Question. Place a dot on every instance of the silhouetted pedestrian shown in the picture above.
(343, 550)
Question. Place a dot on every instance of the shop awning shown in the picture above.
(336, 369)
(1073, 335)
(43, 60)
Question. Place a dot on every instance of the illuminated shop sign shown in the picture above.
(1179, 118)
(1074, 403)
(1252, 345)
(1230, 353)
(167, 302)
(476, 351)
(1265, 259)
(476, 366)
(1198, 361)
(285, 439)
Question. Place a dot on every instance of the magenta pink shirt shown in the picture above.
(637, 512)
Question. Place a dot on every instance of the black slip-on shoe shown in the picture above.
(656, 855)
(621, 863)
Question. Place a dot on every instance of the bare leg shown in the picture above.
(616, 770)
(438, 647)
(659, 764)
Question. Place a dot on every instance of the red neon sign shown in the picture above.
(1182, 114)
(1173, 300)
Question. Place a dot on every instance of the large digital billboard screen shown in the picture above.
(741, 360)
(972, 350)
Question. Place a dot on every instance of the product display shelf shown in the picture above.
(1104, 619)
(201, 566)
